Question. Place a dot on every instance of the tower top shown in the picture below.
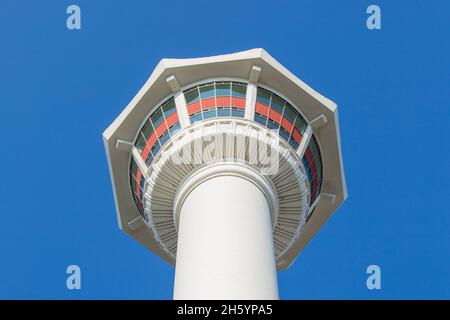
(217, 111)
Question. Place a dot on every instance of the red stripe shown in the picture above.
(262, 109)
(275, 116)
(223, 101)
(208, 103)
(310, 159)
(194, 107)
(238, 102)
(172, 119)
(161, 129)
(148, 146)
(138, 186)
(296, 135)
(287, 125)
(312, 168)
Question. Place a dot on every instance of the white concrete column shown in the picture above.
(225, 246)
(304, 142)
(252, 89)
(180, 101)
(250, 101)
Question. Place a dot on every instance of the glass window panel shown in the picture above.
(223, 89)
(314, 148)
(284, 134)
(260, 119)
(149, 159)
(147, 130)
(196, 117)
(293, 143)
(263, 96)
(312, 144)
(133, 193)
(207, 91)
(191, 95)
(277, 104)
(174, 129)
(319, 181)
(308, 171)
(156, 148)
(133, 167)
(300, 124)
(209, 114)
(315, 153)
(237, 113)
(319, 168)
(239, 90)
(157, 118)
(140, 142)
(272, 125)
(223, 112)
(133, 188)
(169, 108)
(290, 113)
(141, 209)
(164, 138)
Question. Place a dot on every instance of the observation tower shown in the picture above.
(225, 167)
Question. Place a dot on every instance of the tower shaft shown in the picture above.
(225, 245)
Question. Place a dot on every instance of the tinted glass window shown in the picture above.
(191, 96)
(169, 108)
(263, 96)
(289, 113)
(140, 142)
(300, 124)
(157, 118)
(223, 89)
(239, 90)
(207, 91)
(147, 130)
(277, 104)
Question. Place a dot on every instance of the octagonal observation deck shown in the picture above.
(216, 111)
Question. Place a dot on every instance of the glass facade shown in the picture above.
(225, 99)
(277, 114)
(216, 99)
(312, 161)
(137, 186)
(157, 130)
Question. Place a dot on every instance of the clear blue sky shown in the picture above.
(60, 89)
